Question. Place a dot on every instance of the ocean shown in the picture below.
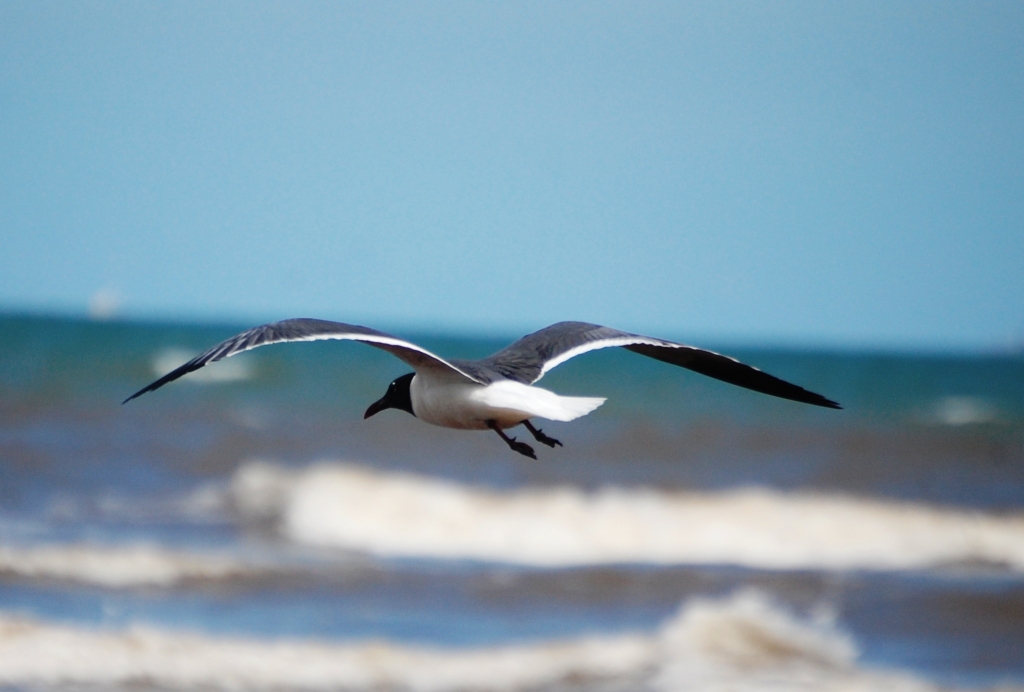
(245, 529)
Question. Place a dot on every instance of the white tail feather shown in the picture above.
(574, 407)
(537, 402)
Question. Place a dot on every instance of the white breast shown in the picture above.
(449, 404)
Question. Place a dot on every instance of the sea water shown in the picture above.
(245, 528)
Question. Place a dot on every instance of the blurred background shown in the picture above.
(830, 192)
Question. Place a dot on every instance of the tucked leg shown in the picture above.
(521, 447)
(540, 436)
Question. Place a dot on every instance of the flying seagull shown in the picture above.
(497, 392)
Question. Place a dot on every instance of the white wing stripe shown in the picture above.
(352, 336)
(599, 344)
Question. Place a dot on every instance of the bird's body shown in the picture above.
(505, 402)
(497, 392)
(456, 405)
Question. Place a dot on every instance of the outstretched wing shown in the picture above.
(305, 329)
(528, 359)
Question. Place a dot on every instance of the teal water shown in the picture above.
(941, 432)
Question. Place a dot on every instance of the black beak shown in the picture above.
(376, 407)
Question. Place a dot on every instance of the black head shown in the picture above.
(397, 396)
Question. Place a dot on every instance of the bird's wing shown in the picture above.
(305, 329)
(528, 359)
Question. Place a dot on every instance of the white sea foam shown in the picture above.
(744, 643)
(397, 514)
(749, 643)
(229, 370)
(965, 410)
(117, 566)
(207, 503)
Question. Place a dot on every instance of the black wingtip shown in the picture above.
(814, 399)
(147, 388)
(185, 369)
(792, 392)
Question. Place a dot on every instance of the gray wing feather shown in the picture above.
(305, 329)
(529, 358)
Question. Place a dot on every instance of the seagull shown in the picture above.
(497, 392)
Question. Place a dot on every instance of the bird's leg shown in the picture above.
(521, 447)
(540, 436)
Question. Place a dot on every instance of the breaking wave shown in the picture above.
(117, 566)
(745, 642)
(397, 514)
(35, 653)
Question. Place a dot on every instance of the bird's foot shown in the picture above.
(539, 435)
(544, 439)
(523, 448)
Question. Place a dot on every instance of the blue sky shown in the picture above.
(786, 173)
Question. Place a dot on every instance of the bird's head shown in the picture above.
(397, 396)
